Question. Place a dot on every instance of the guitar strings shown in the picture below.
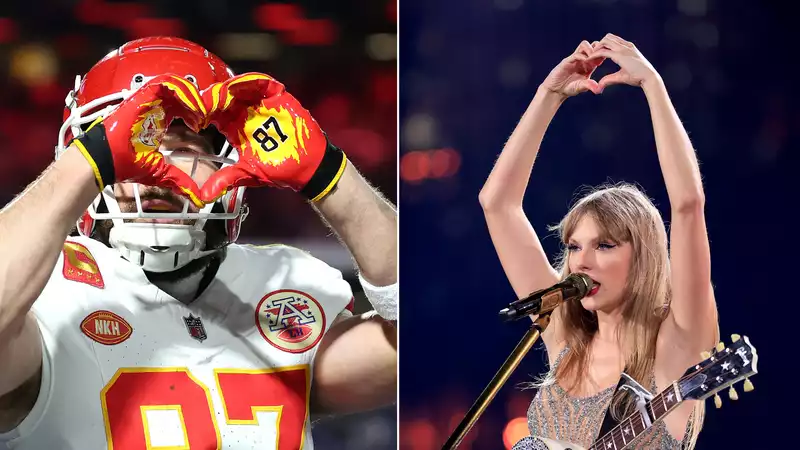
(618, 431)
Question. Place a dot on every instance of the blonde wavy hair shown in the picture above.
(624, 214)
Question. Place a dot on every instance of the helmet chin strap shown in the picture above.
(158, 247)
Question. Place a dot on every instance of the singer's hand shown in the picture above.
(634, 70)
(573, 74)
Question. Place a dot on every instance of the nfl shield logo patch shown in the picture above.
(195, 327)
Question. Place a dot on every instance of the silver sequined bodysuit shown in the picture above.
(555, 414)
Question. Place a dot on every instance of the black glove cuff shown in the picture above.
(94, 146)
(328, 173)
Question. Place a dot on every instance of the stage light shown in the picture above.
(420, 165)
(420, 131)
(515, 430)
(444, 163)
(414, 166)
(420, 434)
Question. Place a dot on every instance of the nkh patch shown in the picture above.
(106, 327)
(195, 327)
(290, 320)
(80, 265)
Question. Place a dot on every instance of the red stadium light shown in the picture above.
(295, 28)
(90, 12)
(384, 87)
(313, 32)
(391, 10)
(515, 430)
(8, 30)
(98, 12)
(278, 16)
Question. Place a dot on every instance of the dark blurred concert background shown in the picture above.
(338, 58)
(468, 70)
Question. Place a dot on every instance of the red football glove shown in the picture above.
(123, 145)
(279, 143)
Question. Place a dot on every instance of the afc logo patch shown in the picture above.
(290, 320)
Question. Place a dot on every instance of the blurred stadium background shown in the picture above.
(467, 72)
(338, 58)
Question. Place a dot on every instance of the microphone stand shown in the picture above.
(488, 394)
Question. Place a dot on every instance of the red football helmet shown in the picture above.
(155, 247)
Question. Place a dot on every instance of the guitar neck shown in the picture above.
(635, 424)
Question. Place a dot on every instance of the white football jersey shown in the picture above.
(128, 367)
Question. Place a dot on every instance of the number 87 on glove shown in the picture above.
(279, 143)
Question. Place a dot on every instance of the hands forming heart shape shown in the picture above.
(573, 74)
(279, 143)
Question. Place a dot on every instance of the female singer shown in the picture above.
(654, 312)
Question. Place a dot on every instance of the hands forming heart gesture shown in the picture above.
(573, 74)
(279, 143)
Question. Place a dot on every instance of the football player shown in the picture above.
(152, 328)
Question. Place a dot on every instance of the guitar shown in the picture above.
(721, 368)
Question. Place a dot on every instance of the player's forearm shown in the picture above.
(675, 151)
(509, 178)
(356, 367)
(366, 223)
(33, 228)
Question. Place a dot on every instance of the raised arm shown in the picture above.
(33, 227)
(693, 308)
(366, 223)
(517, 245)
(32, 232)
(521, 254)
(356, 366)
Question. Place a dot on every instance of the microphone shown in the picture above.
(574, 287)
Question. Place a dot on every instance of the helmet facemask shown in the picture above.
(154, 246)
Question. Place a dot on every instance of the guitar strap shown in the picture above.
(609, 422)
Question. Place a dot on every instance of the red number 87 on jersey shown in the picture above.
(168, 408)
